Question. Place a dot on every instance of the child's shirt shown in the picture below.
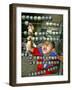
(38, 52)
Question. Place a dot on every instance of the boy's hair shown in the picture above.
(49, 42)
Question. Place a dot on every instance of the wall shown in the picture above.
(4, 45)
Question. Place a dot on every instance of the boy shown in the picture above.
(47, 49)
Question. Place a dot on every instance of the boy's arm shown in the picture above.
(29, 45)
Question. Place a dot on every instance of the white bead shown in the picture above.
(31, 17)
(40, 33)
(35, 17)
(56, 32)
(36, 38)
(44, 71)
(50, 24)
(37, 57)
(49, 62)
(25, 54)
(22, 54)
(57, 39)
(55, 57)
(46, 57)
(52, 57)
(40, 38)
(43, 33)
(26, 22)
(43, 17)
(48, 69)
(39, 17)
(25, 32)
(33, 38)
(23, 17)
(53, 33)
(57, 24)
(54, 24)
(38, 73)
(47, 23)
(27, 17)
(49, 57)
(36, 33)
(47, 38)
(46, 17)
(50, 17)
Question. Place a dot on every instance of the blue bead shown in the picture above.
(53, 54)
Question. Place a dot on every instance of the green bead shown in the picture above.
(34, 58)
(54, 68)
(32, 74)
(33, 62)
(57, 62)
(35, 73)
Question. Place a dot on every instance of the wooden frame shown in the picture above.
(12, 79)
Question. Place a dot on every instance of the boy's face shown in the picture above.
(46, 48)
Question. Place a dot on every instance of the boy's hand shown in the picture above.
(29, 38)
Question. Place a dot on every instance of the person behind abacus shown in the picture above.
(47, 48)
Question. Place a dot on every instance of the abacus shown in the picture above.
(45, 28)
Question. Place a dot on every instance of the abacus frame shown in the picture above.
(12, 63)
